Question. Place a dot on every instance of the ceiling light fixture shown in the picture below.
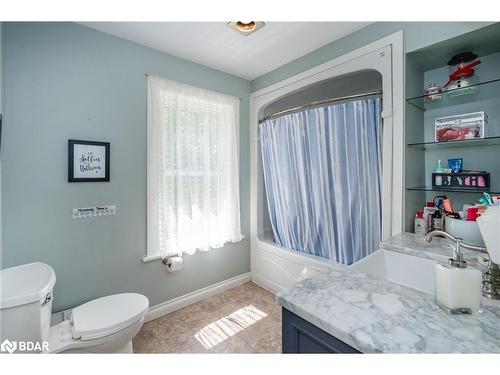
(245, 28)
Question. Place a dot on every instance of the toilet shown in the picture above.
(104, 325)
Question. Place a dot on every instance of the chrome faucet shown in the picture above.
(458, 257)
(491, 278)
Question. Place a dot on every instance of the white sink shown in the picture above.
(413, 272)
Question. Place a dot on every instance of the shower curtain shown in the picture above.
(322, 173)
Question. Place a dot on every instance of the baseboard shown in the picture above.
(172, 305)
(266, 283)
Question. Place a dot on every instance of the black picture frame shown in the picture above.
(71, 161)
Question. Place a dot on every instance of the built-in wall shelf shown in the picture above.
(454, 190)
(428, 67)
(480, 91)
(488, 141)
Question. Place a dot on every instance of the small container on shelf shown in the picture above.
(463, 80)
(438, 170)
(433, 93)
(420, 227)
(473, 180)
(461, 127)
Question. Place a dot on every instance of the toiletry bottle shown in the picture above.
(496, 200)
(458, 287)
(439, 169)
(437, 220)
(472, 213)
(429, 209)
(420, 223)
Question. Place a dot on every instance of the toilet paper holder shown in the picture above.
(168, 259)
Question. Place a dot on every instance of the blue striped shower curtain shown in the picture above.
(323, 174)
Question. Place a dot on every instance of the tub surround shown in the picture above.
(377, 316)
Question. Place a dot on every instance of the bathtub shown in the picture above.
(275, 268)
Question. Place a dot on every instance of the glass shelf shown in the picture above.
(437, 188)
(488, 141)
(480, 91)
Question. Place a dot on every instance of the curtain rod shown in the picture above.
(319, 102)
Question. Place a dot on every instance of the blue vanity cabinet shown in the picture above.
(300, 336)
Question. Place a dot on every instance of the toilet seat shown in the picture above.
(107, 315)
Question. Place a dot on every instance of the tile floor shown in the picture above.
(241, 320)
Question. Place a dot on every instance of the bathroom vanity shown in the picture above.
(300, 336)
(385, 304)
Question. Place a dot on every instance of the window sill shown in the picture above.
(151, 258)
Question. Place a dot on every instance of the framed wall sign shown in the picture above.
(88, 161)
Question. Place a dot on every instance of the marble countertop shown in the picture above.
(374, 315)
(438, 249)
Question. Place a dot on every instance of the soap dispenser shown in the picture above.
(458, 287)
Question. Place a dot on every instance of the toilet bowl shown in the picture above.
(104, 325)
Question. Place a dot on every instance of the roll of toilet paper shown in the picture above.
(175, 264)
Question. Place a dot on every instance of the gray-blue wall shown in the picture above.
(61, 81)
(1, 67)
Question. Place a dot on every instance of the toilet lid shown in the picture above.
(107, 315)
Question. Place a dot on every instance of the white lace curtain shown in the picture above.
(193, 180)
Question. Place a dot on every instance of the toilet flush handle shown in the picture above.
(48, 298)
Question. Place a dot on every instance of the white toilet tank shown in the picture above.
(26, 303)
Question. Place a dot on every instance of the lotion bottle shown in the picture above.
(437, 221)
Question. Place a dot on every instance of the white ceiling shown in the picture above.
(215, 45)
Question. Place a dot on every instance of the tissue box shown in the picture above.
(461, 127)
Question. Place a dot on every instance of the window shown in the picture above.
(193, 180)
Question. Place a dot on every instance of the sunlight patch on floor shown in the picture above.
(216, 332)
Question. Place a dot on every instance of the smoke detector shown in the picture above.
(245, 28)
